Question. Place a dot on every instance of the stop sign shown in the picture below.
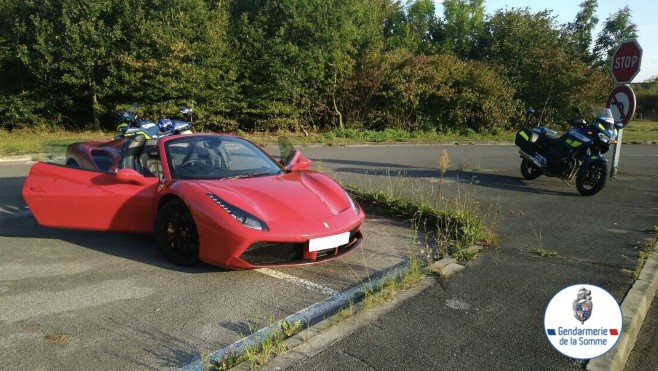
(626, 61)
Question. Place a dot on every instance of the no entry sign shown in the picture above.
(621, 102)
(626, 61)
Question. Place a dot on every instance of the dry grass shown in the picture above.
(641, 131)
(43, 141)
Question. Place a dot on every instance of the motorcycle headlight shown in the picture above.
(240, 215)
(604, 138)
(353, 204)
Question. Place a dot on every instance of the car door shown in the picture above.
(66, 197)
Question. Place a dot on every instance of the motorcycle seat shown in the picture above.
(550, 138)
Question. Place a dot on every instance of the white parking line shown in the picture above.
(15, 214)
(298, 281)
(307, 316)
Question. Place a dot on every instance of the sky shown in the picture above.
(644, 14)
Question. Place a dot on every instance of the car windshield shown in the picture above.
(217, 157)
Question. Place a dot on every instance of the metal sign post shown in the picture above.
(615, 155)
(626, 63)
(621, 102)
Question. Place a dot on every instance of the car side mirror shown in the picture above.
(297, 162)
(130, 176)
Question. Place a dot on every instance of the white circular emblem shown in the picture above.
(583, 321)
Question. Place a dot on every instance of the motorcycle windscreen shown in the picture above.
(65, 197)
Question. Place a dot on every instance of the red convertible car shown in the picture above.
(206, 197)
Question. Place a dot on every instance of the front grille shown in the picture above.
(262, 253)
(279, 253)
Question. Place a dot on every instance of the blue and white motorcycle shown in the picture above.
(576, 153)
(130, 124)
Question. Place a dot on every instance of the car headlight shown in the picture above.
(604, 138)
(240, 215)
(353, 204)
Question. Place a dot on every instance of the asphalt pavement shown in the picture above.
(80, 300)
(491, 314)
(487, 316)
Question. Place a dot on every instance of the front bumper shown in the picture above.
(285, 244)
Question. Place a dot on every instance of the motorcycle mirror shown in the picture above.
(619, 125)
(185, 110)
(530, 110)
(577, 110)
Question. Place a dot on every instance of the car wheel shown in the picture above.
(176, 233)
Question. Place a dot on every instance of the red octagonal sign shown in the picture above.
(626, 61)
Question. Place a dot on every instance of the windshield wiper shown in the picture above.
(249, 175)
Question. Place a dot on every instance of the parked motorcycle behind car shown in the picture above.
(578, 152)
(131, 124)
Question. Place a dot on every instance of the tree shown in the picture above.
(80, 60)
(536, 60)
(579, 32)
(294, 57)
(617, 27)
(464, 24)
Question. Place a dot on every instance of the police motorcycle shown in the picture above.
(130, 124)
(576, 153)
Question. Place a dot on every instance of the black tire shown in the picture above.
(529, 171)
(176, 234)
(591, 180)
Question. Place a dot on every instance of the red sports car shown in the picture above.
(206, 197)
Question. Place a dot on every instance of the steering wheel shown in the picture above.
(189, 163)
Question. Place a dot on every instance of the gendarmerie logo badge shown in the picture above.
(594, 333)
(582, 306)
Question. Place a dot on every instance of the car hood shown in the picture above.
(303, 195)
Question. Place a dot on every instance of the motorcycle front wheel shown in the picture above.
(591, 180)
(529, 171)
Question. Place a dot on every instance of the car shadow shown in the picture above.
(141, 248)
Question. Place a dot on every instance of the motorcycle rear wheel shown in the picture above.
(591, 180)
(529, 171)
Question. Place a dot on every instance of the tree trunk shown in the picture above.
(94, 106)
(333, 97)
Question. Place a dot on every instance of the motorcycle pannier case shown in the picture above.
(525, 138)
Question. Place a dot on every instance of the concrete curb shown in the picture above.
(20, 158)
(308, 343)
(634, 309)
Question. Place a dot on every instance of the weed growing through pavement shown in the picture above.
(256, 354)
(373, 296)
(539, 245)
(454, 227)
(291, 329)
(444, 163)
(464, 255)
(646, 250)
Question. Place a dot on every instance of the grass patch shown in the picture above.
(641, 131)
(386, 290)
(453, 229)
(545, 253)
(646, 249)
(271, 345)
(539, 245)
(43, 143)
(465, 255)
(53, 141)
